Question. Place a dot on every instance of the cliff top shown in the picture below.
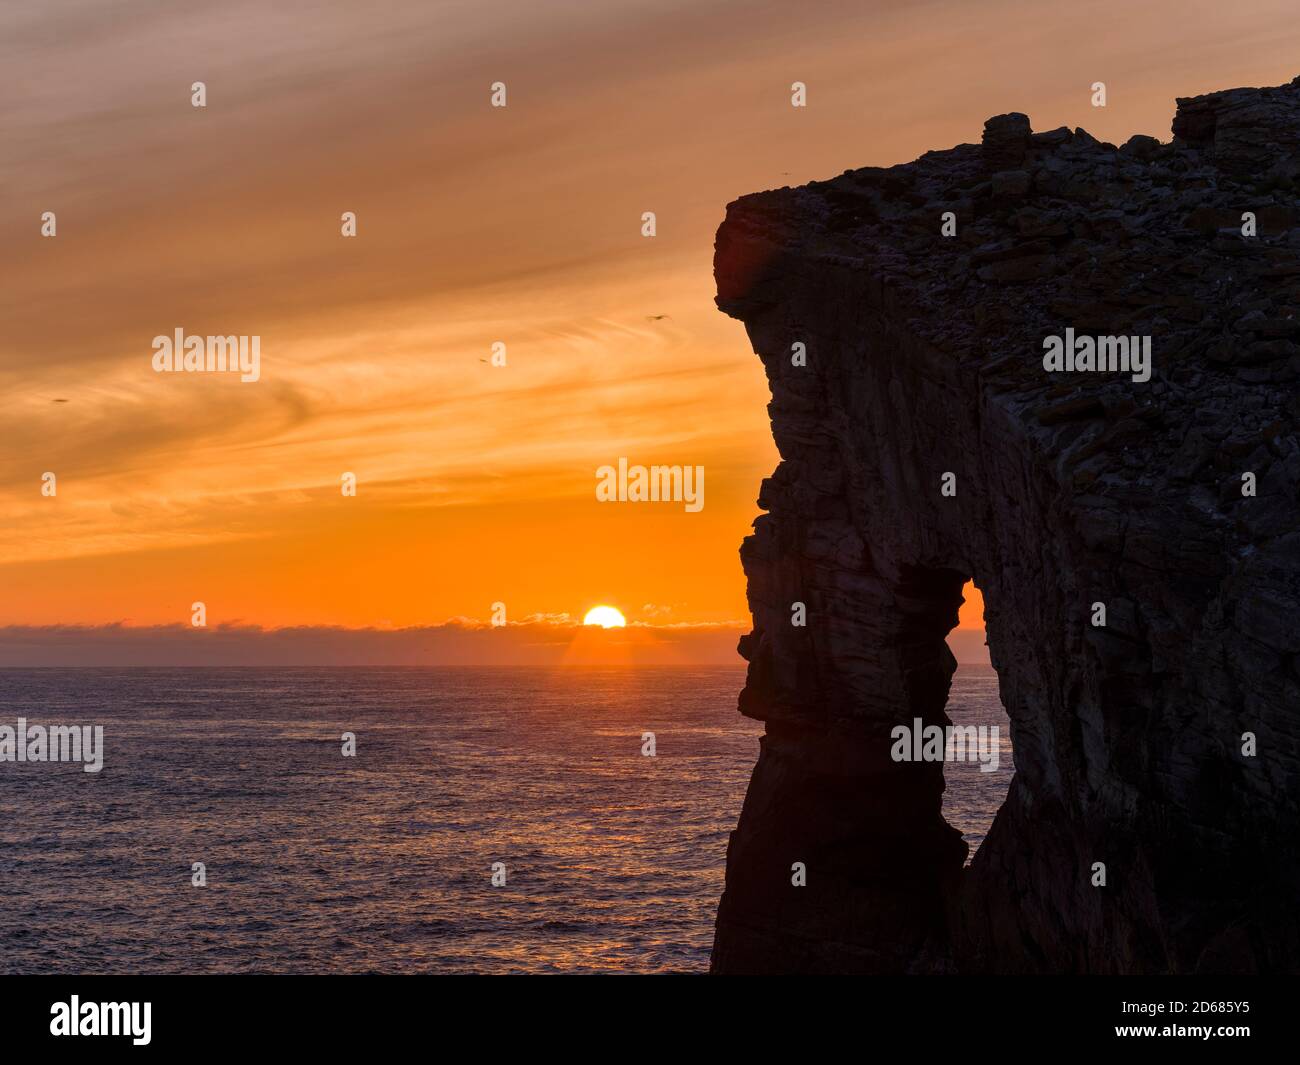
(987, 250)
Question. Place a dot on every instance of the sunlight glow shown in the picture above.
(606, 617)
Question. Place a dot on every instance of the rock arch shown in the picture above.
(923, 358)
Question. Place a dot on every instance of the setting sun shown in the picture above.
(606, 617)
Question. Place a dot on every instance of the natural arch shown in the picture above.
(922, 443)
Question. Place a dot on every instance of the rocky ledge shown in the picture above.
(904, 316)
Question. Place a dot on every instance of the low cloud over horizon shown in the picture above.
(459, 642)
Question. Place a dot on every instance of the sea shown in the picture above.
(604, 858)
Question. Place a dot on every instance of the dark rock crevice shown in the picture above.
(924, 358)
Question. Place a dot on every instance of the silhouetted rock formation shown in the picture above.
(925, 357)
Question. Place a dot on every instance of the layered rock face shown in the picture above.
(1173, 502)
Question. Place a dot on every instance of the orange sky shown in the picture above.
(476, 483)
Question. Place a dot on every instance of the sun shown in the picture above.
(606, 617)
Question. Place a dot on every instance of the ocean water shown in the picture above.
(972, 797)
(383, 862)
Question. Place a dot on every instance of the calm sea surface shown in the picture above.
(383, 862)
